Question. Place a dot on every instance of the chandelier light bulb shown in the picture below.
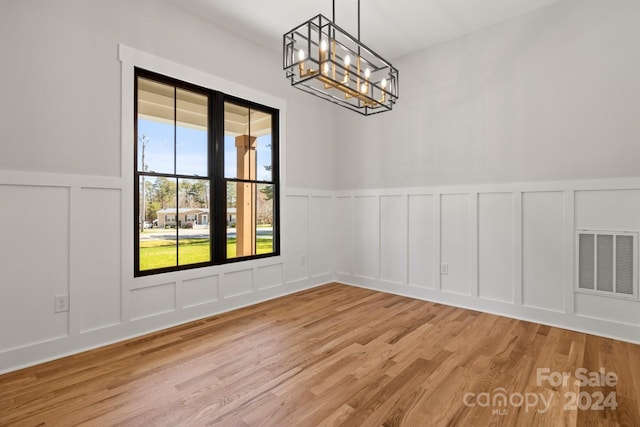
(363, 88)
(323, 46)
(301, 55)
(384, 83)
(347, 60)
(367, 73)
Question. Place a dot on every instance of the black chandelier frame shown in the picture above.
(317, 59)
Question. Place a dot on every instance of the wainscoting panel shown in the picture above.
(455, 243)
(153, 301)
(393, 239)
(269, 276)
(366, 237)
(321, 240)
(615, 309)
(238, 283)
(543, 269)
(608, 210)
(343, 236)
(97, 289)
(199, 291)
(423, 270)
(496, 250)
(295, 238)
(34, 264)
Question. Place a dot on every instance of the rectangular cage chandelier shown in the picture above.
(324, 60)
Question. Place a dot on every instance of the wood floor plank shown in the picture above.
(334, 355)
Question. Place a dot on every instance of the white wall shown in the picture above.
(61, 101)
(66, 181)
(503, 143)
(549, 96)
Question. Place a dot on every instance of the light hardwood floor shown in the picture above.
(333, 355)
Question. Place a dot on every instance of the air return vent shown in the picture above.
(607, 263)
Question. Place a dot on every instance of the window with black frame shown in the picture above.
(206, 177)
(248, 173)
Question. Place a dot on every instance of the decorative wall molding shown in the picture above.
(509, 248)
(390, 240)
(105, 309)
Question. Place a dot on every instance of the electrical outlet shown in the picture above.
(61, 303)
(444, 269)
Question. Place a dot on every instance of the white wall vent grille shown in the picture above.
(607, 263)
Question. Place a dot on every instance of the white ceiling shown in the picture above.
(392, 28)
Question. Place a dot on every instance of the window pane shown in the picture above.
(264, 158)
(239, 149)
(264, 221)
(247, 143)
(158, 216)
(194, 235)
(191, 133)
(261, 130)
(250, 222)
(155, 123)
(232, 200)
(241, 219)
(230, 159)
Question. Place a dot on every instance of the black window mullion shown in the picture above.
(275, 179)
(248, 181)
(171, 175)
(253, 167)
(136, 177)
(255, 154)
(220, 202)
(175, 171)
(255, 216)
(211, 171)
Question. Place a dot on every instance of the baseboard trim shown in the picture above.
(598, 327)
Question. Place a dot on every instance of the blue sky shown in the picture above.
(192, 151)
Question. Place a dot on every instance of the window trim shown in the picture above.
(215, 176)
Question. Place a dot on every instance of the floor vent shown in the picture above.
(607, 263)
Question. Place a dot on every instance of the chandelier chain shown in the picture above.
(334, 11)
(358, 21)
